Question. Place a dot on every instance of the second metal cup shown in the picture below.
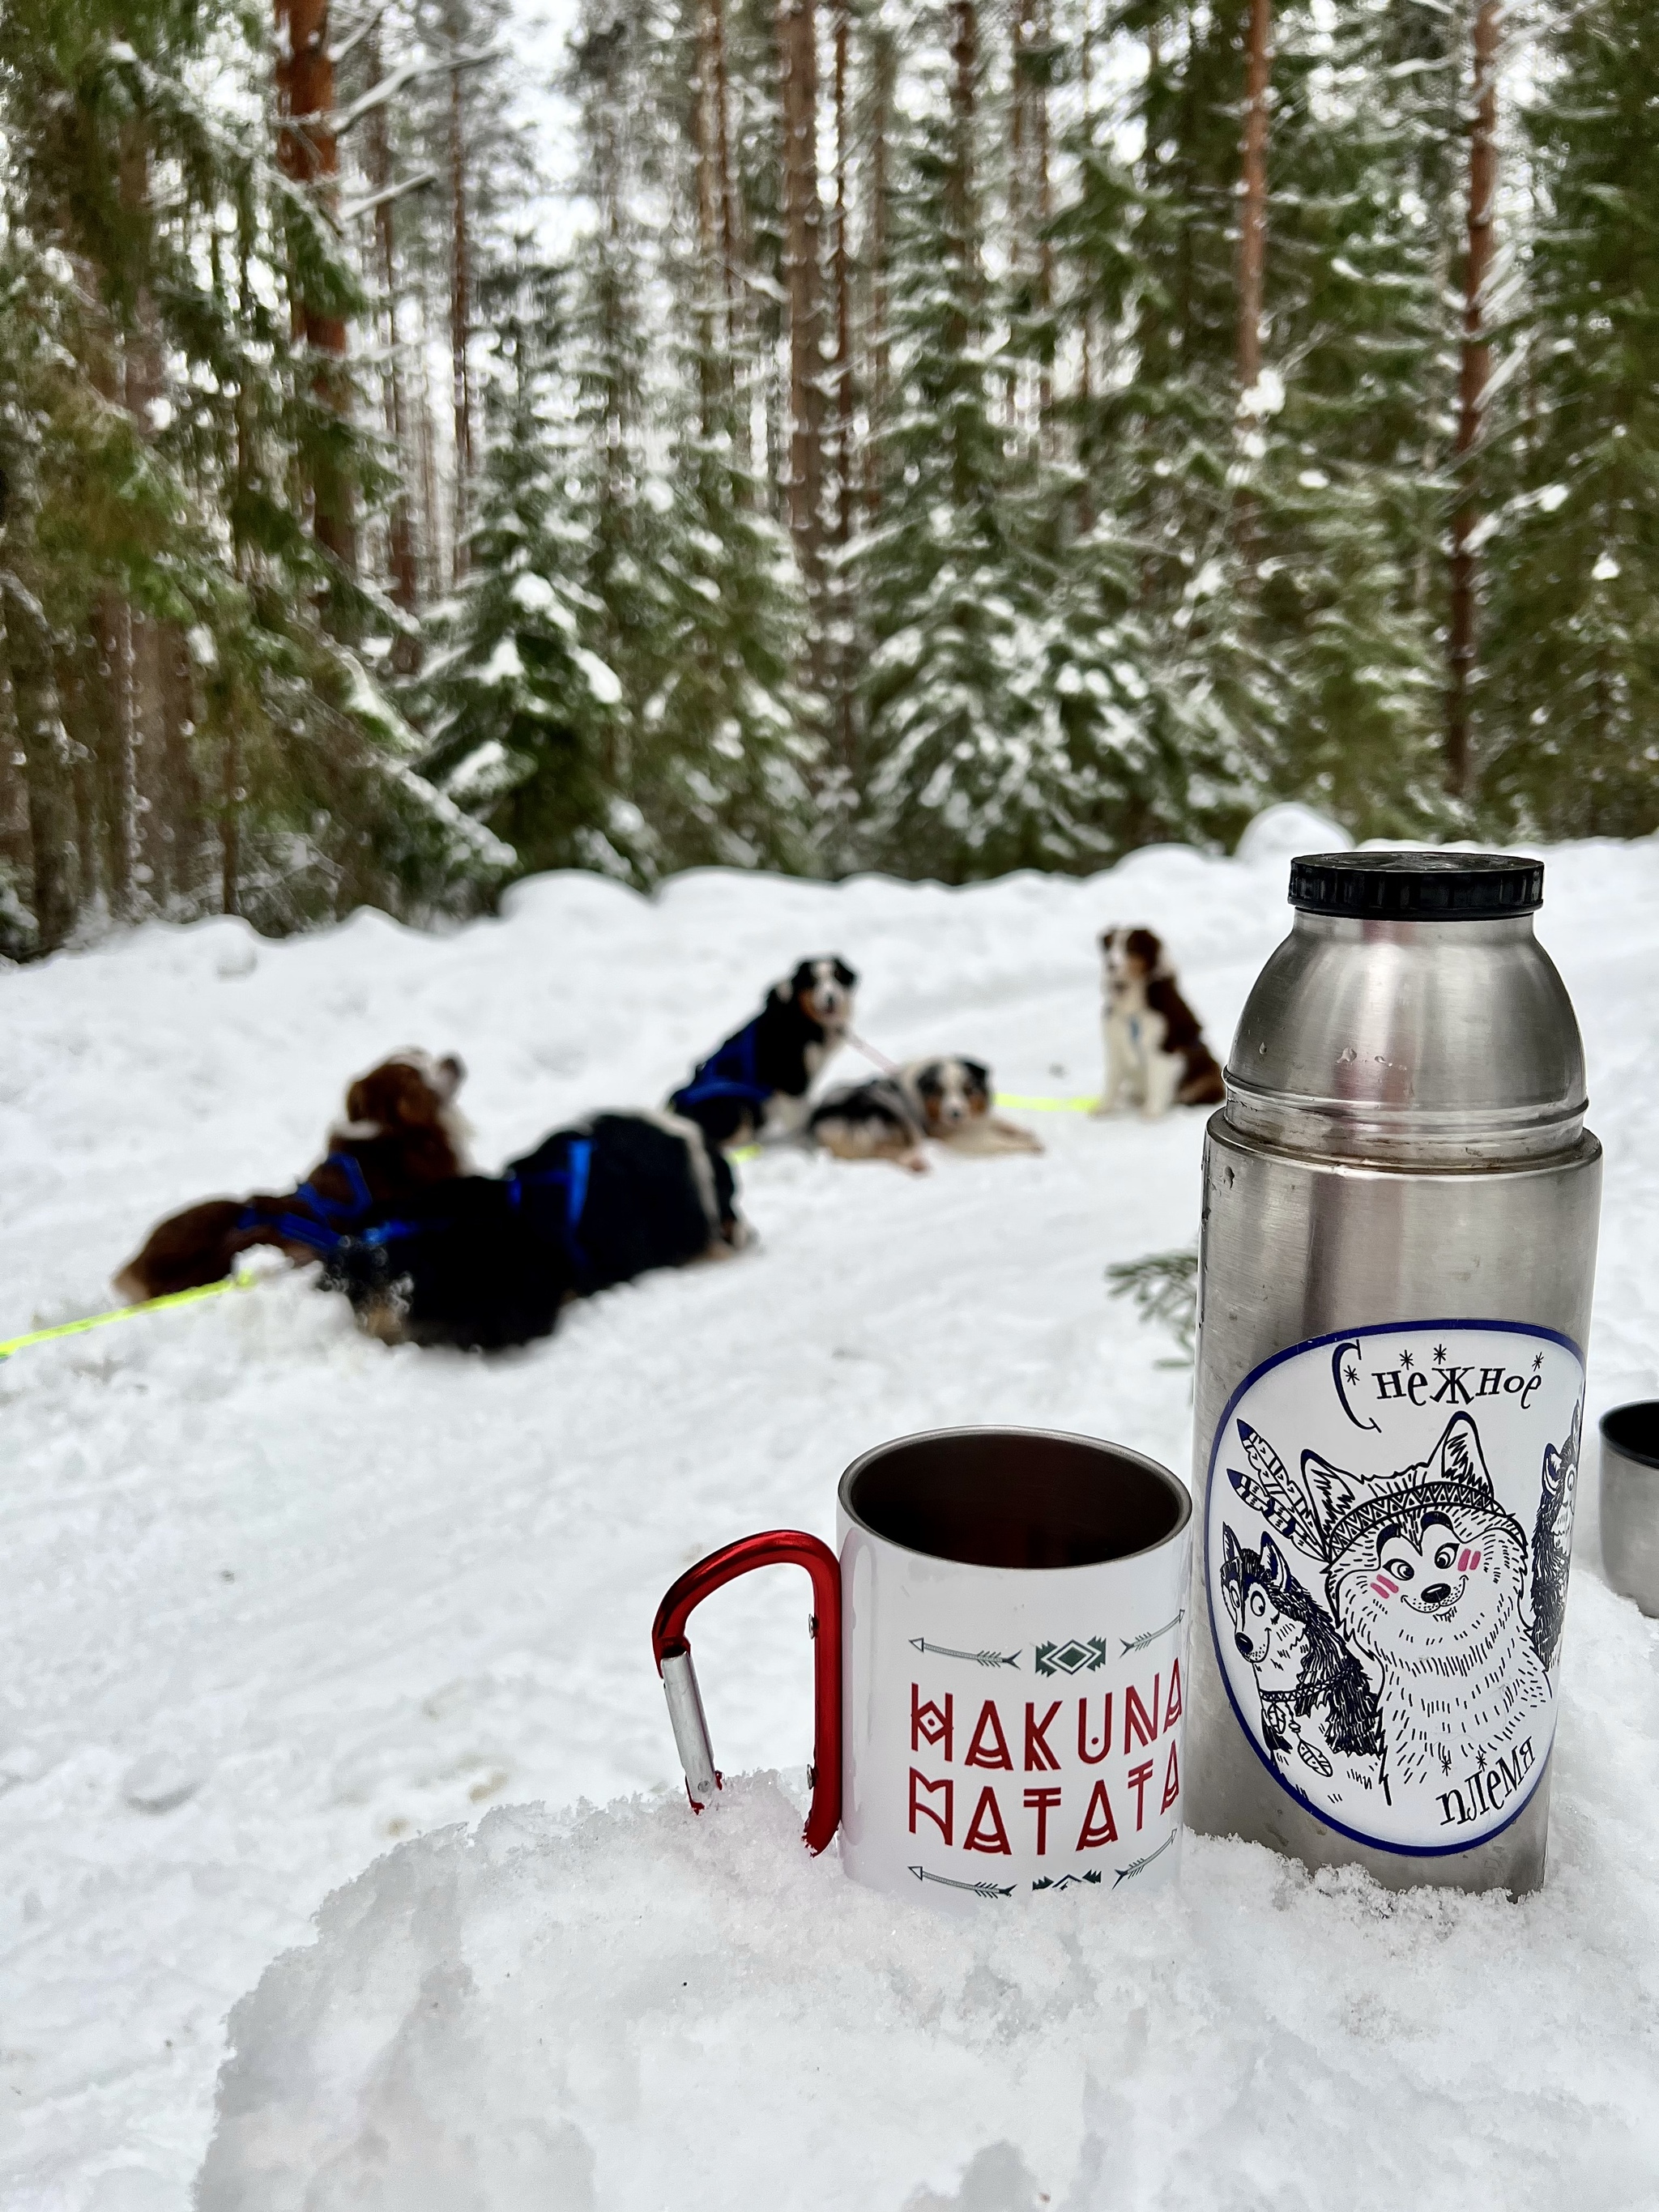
(1630, 1502)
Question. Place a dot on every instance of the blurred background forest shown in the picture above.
(936, 438)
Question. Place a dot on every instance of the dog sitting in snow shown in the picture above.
(891, 1117)
(400, 1136)
(1156, 1055)
(756, 1083)
(490, 1261)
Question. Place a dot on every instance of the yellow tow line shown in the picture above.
(126, 1313)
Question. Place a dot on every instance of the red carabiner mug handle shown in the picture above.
(673, 1650)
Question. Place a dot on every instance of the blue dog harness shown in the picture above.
(573, 1175)
(727, 1074)
(333, 1220)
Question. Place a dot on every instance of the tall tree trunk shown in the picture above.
(710, 287)
(846, 457)
(797, 36)
(878, 344)
(113, 629)
(964, 318)
(461, 300)
(230, 821)
(182, 830)
(433, 520)
(1044, 216)
(99, 696)
(846, 674)
(1085, 306)
(308, 156)
(156, 807)
(402, 558)
(81, 711)
(1253, 195)
(1474, 375)
(14, 793)
(45, 767)
(1252, 245)
(732, 248)
(1019, 101)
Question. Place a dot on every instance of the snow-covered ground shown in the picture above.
(277, 1598)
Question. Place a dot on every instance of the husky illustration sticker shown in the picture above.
(1389, 1524)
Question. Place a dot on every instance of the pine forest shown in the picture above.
(940, 438)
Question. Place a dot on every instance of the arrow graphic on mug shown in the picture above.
(1139, 1865)
(1151, 1636)
(979, 1658)
(974, 1888)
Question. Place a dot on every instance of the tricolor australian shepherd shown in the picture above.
(948, 1100)
(1156, 1055)
(953, 1099)
(402, 1134)
(872, 1121)
(756, 1083)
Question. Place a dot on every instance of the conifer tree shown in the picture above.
(159, 415)
(519, 710)
(1569, 714)
(1350, 483)
(959, 768)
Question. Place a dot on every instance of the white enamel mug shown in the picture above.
(1001, 1661)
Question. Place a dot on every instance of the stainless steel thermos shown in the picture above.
(1400, 1207)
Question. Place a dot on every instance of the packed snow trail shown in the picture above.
(278, 1597)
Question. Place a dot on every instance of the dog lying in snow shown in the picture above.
(489, 1261)
(871, 1120)
(1156, 1055)
(891, 1117)
(429, 1252)
(401, 1136)
(756, 1083)
(953, 1099)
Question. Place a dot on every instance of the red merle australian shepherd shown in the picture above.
(1156, 1055)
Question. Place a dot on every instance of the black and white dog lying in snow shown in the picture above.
(756, 1083)
(482, 1261)
(948, 1099)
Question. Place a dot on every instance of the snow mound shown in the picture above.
(631, 2008)
(1282, 833)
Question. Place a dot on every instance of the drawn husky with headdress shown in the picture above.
(1318, 1712)
(1426, 1573)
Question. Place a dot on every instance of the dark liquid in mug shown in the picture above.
(1013, 1497)
(1634, 1430)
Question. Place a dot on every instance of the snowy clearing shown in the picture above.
(279, 1598)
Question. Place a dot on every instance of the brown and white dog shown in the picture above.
(402, 1133)
(1156, 1055)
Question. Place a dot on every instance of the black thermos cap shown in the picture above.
(1432, 886)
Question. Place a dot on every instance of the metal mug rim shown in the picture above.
(1167, 1476)
(1610, 1441)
